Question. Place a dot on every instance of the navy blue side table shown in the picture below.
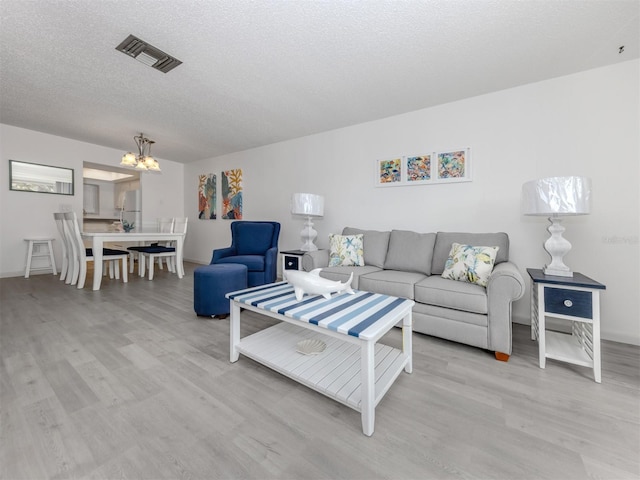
(575, 299)
(292, 260)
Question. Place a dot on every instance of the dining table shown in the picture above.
(98, 240)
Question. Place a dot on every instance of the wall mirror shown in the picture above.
(32, 177)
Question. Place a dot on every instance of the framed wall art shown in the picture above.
(418, 169)
(388, 172)
(443, 166)
(207, 196)
(232, 194)
(453, 165)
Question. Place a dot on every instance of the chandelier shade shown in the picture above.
(143, 162)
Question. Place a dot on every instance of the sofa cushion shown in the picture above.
(471, 264)
(442, 316)
(391, 282)
(345, 250)
(444, 241)
(446, 293)
(341, 274)
(410, 251)
(375, 245)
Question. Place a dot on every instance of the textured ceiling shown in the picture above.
(261, 71)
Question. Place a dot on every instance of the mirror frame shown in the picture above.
(49, 171)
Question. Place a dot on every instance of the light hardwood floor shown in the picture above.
(128, 383)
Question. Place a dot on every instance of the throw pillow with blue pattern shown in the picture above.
(470, 264)
(346, 250)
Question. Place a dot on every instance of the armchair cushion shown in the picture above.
(253, 238)
(254, 263)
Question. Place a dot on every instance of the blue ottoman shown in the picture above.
(212, 282)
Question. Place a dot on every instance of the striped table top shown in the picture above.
(364, 314)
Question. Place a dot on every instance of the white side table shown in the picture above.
(577, 300)
(39, 247)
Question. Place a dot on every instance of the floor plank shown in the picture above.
(128, 382)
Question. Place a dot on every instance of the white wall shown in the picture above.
(583, 124)
(25, 214)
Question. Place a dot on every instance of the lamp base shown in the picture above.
(308, 235)
(558, 273)
(557, 247)
(308, 247)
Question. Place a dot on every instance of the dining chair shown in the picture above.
(168, 252)
(164, 225)
(81, 255)
(65, 268)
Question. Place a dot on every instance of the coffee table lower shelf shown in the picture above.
(335, 372)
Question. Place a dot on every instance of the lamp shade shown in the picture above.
(557, 196)
(307, 204)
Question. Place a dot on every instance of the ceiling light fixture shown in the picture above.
(143, 162)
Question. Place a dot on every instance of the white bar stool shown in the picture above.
(43, 248)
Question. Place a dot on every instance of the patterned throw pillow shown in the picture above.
(470, 264)
(346, 251)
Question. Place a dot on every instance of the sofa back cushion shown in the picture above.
(444, 240)
(410, 251)
(375, 245)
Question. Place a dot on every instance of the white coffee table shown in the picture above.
(353, 369)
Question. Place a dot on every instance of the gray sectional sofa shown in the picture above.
(409, 264)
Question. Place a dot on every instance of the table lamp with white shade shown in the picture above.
(556, 197)
(309, 205)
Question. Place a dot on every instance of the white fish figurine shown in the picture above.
(312, 283)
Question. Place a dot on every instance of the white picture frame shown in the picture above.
(453, 165)
(418, 169)
(388, 172)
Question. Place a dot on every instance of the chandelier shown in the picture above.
(143, 162)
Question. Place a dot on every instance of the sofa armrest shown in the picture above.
(505, 286)
(222, 253)
(315, 259)
(506, 281)
(271, 265)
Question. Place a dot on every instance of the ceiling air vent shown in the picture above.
(148, 54)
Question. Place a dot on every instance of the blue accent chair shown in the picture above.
(254, 244)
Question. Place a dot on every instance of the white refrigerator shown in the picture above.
(132, 208)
